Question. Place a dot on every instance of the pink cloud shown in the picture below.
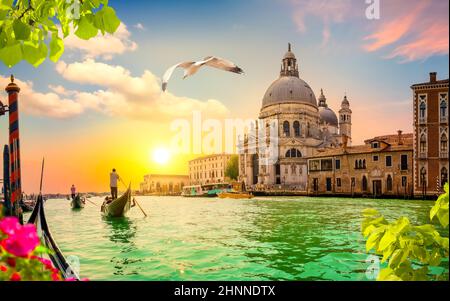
(394, 30)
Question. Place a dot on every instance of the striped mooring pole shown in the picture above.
(14, 146)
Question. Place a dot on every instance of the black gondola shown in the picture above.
(56, 256)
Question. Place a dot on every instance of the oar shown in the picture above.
(91, 202)
(145, 214)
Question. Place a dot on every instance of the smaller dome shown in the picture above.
(345, 101)
(289, 55)
(328, 116)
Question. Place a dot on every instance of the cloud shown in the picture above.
(413, 31)
(328, 11)
(407, 30)
(139, 26)
(117, 94)
(103, 46)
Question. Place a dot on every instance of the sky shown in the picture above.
(101, 106)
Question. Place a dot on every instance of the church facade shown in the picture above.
(304, 124)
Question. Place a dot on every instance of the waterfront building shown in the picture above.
(208, 169)
(163, 184)
(304, 125)
(431, 163)
(383, 166)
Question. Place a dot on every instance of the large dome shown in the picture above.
(289, 89)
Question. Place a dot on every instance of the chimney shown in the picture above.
(433, 77)
(400, 137)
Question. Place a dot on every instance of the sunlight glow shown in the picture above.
(161, 156)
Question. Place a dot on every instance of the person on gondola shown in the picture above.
(113, 178)
(73, 191)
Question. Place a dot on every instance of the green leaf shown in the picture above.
(22, 31)
(35, 54)
(86, 30)
(374, 238)
(388, 239)
(388, 275)
(11, 55)
(110, 20)
(56, 48)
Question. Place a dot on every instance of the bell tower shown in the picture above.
(345, 120)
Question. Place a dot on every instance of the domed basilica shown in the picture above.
(305, 125)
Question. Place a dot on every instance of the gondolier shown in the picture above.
(113, 179)
(73, 191)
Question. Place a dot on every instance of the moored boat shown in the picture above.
(118, 207)
(235, 195)
(194, 191)
(77, 202)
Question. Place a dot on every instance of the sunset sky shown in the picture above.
(101, 105)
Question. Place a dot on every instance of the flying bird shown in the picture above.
(190, 68)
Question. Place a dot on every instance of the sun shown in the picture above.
(161, 156)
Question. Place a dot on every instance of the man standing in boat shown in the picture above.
(73, 191)
(113, 178)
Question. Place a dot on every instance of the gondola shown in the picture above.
(77, 202)
(55, 255)
(118, 207)
(25, 207)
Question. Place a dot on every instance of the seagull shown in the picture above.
(190, 68)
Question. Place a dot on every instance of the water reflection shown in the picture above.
(122, 232)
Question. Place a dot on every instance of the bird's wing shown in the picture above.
(222, 64)
(170, 71)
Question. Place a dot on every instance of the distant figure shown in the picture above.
(73, 191)
(113, 178)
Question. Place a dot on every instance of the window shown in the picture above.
(375, 158)
(423, 143)
(338, 164)
(364, 183)
(286, 129)
(423, 110)
(389, 183)
(327, 165)
(297, 130)
(444, 176)
(375, 145)
(293, 153)
(404, 162)
(364, 164)
(404, 181)
(444, 144)
(338, 182)
(423, 177)
(443, 109)
(329, 185)
(314, 165)
(388, 161)
(356, 164)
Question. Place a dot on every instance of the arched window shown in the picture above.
(360, 165)
(364, 183)
(364, 164)
(286, 129)
(444, 144)
(443, 109)
(356, 164)
(444, 176)
(389, 183)
(423, 143)
(293, 153)
(297, 129)
(423, 110)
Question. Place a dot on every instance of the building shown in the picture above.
(208, 169)
(431, 162)
(383, 166)
(304, 125)
(163, 184)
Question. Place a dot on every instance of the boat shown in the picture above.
(27, 206)
(194, 191)
(118, 207)
(235, 195)
(213, 190)
(78, 202)
(60, 262)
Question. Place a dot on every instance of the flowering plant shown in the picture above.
(19, 249)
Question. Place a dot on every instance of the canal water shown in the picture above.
(291, 238)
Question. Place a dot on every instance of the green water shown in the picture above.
(215, 239)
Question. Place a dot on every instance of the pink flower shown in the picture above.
(71, 279)
(15, 277)
(9, 225)
(55, 276)
(3, 268)
(22, 242)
